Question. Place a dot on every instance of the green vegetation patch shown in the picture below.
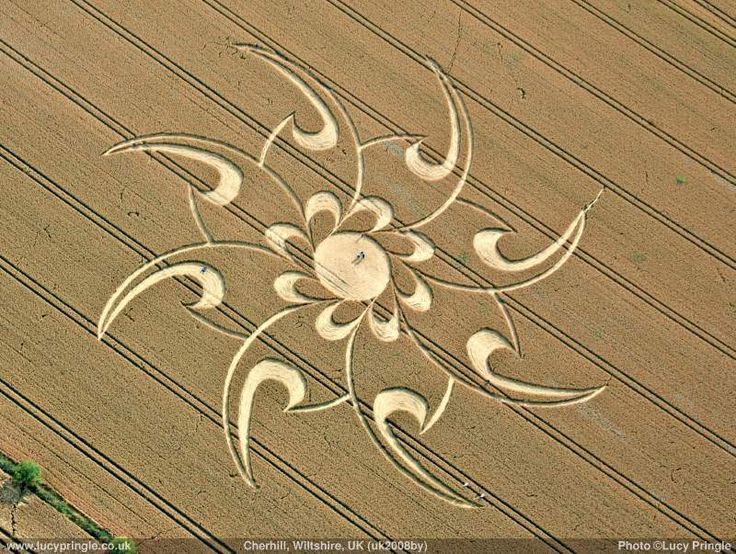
(26, 474)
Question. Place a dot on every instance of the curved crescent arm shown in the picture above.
(386, 403)
(265, 370)
(231, 176)
(486, 341)
(326, 137)
(213, 286)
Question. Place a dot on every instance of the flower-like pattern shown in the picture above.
(354, 264)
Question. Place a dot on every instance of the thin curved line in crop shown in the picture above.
(351, 267)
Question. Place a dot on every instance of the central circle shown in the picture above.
(352, 266)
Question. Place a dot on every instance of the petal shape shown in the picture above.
(385, 330)
(324, 201)
(278, 234)
(423, 247)
(421, 299)
(265, 370)
(285, 285)
(382, 210)
(486, 341)
(213, 290)
(329, 329)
